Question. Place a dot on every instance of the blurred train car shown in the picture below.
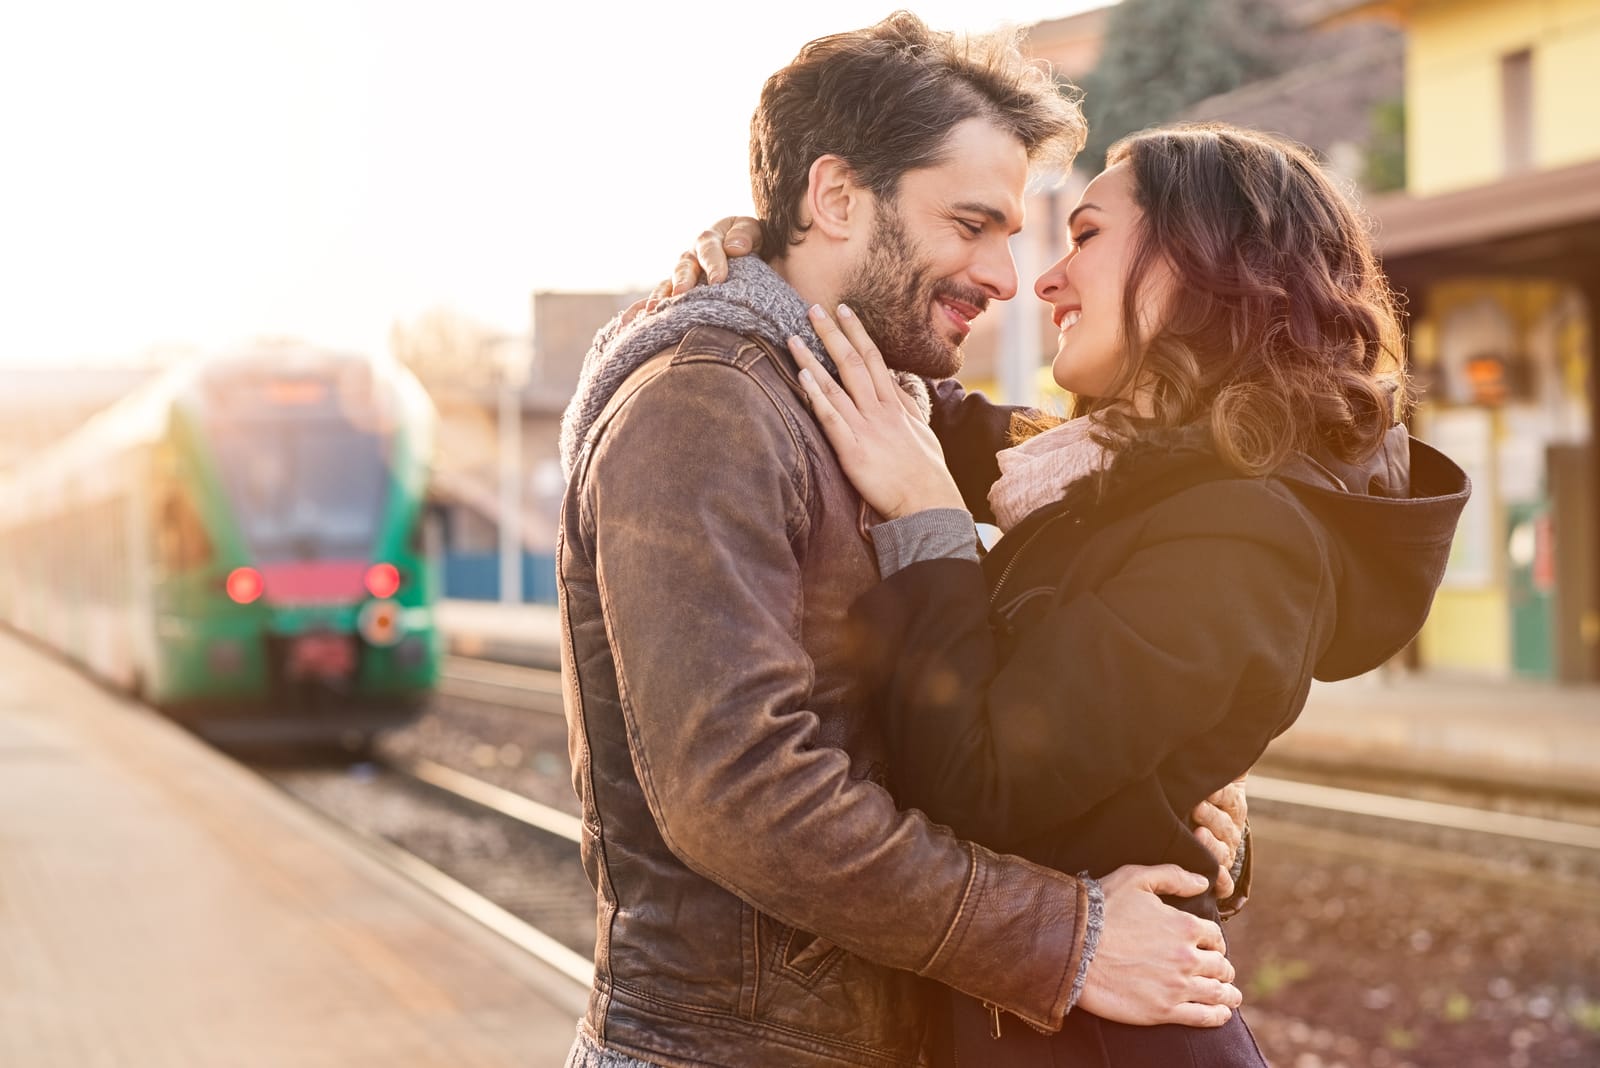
(238, 542)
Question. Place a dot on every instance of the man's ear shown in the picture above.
(835, 204)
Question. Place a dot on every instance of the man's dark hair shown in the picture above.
(885, 100)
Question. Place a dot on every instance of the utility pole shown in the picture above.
(514, 366)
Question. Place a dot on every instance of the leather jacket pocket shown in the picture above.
(804, 955)
(796, 955)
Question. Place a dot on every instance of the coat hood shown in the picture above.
(1386, 526)
(1390, 523)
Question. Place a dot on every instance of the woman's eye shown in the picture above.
(1082, 239)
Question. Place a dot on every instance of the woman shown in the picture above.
(1232, 511)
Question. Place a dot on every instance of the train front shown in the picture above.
(311, 468)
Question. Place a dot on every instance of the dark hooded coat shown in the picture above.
(1130, 649)
(1127, 651)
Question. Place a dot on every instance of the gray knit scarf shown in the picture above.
(753, 301)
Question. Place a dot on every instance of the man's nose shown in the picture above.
(996, 272)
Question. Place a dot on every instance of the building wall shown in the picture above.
(1455, 126)
(1495, 613)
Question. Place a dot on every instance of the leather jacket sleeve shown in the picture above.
(698, 521)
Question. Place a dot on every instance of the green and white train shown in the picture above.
(239, 540)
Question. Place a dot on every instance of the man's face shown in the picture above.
(940, 250)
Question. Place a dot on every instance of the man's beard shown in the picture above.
(892, 290)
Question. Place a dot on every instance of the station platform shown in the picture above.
(161, 907)
(1521, 735)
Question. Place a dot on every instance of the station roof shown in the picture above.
(1543, 222)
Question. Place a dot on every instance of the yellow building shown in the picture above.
(1496, 246)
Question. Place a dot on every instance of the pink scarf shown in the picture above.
(1038, 471)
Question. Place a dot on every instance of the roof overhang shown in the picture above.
(1330, 13)
(1540, 223)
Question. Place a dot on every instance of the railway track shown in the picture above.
(507, 861)
(1485, 840)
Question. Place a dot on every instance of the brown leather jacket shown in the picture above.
(761, 900)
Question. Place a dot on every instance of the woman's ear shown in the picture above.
(835, 203)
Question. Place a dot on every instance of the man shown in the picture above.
(761, 899)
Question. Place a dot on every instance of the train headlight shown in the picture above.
(381, 623)
(383, 580)
(245, 585)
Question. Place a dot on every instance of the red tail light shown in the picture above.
(383, 580)
(245, 585)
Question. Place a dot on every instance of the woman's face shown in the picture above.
(1085, 287)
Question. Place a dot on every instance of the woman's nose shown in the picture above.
(1051, 281)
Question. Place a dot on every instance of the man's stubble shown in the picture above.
(892, 290)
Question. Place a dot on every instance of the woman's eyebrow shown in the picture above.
(1082, 208)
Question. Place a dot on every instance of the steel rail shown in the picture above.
(1425, 813)
(495, 798)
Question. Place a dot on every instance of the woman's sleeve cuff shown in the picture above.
(932, 534)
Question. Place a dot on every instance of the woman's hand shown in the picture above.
(1218, 823)
(707, 259)
(889, 454)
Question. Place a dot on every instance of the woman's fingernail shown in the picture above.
(805, 377)
(845, 312)
(736, 244)
(817, 312)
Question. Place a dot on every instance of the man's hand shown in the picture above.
(1219, 823)
(1155, 964)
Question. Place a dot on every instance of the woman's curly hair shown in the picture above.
(1280, 328)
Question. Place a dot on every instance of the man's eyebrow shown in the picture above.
(1082, 208)
(988, 211)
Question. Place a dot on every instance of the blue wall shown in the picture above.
(476, 577)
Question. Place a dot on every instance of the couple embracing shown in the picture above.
(855, 794)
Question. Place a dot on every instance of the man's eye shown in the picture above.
(973, 229)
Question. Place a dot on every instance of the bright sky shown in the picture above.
(198, 172)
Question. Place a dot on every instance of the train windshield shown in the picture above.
(304, 489)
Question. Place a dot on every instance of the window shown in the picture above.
(1516, 102)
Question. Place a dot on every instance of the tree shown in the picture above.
(1160, 56)
(446, 349)
(1386, 150)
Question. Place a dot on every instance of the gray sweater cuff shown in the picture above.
(1091, 937)
(931, 534)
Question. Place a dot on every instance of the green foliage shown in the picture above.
(1160, 56)
(1400, 1038)
(1386, 148)
(1457, 1007)
(1586, 1014)
(1274, 975)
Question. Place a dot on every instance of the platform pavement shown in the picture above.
(160, 907)
(1523, 734)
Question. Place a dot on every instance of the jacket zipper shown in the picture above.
(994, 1021)
(994, 594)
